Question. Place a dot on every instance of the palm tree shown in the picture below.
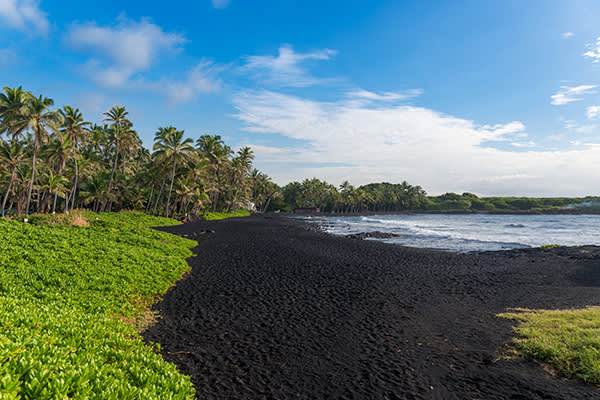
(59, 150)
(11, 155)
(55, 185)
(37, 117)
(169, 145)
(75, 129)
(215, 150)
(93, 191)
(117, 116)
(12, 103)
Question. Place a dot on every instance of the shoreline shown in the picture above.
(451, 212)
(273, 308)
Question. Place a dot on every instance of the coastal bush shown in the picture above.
(65, 292)
(568, 340)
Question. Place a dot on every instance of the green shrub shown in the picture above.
(64, 293)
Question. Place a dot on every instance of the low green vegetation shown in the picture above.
(568, 340)
(70, 288)
(549, 246)
(212, 216)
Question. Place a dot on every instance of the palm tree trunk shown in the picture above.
(54, 205)
(12, 178)
(216, 199)
(112, 174)
(150, 198)
(267, 205)
(74, 191)
(171, 187)
(31, 181)
(162, 186)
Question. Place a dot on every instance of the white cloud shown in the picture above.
(120, 51)
(526, 144)
(362, 94)
(499, 131)
(121, 54)
(567, 35)
(220, 3)
(24, 15)
(393, 143)
(592, 112)
(573, 126)
(593, 51)
(568, 94)
(201, 79)
(286, 68)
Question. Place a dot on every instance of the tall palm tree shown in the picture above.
(117, 117)
(58, 151)
(217, 152)
(76, 130)
(37, 117)
(12, 155)
(169, 145)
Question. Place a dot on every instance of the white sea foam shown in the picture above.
(474, 232)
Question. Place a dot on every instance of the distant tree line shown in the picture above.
(403, 197)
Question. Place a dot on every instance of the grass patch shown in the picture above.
(68, 284)
(549, 246)
(212, 216)
(567, 340)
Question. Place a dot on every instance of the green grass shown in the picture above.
(211, 216)
(568, 340)
(66, 293)
(549, 246)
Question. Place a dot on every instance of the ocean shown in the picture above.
(471, 232)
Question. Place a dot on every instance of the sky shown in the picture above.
(489, 97)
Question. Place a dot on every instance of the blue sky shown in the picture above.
(491, 97)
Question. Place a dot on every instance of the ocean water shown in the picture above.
(471, 232)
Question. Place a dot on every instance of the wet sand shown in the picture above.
(274, 309)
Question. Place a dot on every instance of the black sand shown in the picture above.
(274, 310)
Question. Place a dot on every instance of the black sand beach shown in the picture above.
(273, 309)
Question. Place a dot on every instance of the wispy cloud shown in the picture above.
(24, 15)
(592, 112)
(572, 126)
(220, 3)
(8, 56)
(120, 51)
(390, 143)
(568, 94)
(593, 51)
(567, 35)
(201, 79)
(288, 68)
(362, 94)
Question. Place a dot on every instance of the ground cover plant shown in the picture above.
(567, 340)
(65, 293)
